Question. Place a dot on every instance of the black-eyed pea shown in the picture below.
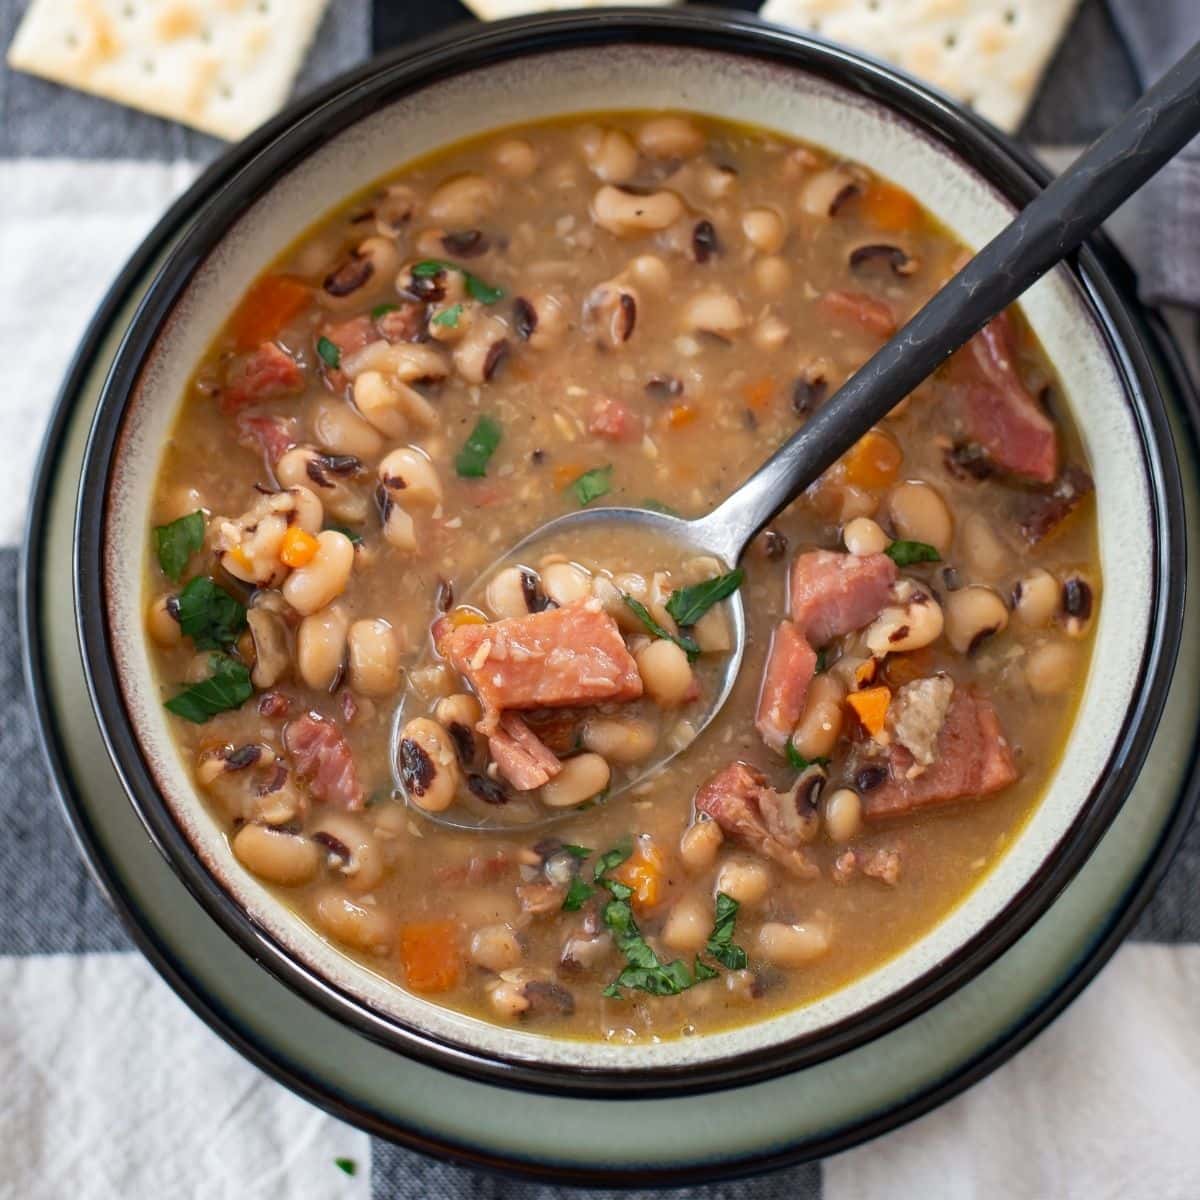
(864, 536)
(764, 229)
(515, 157)
(1051, 668)
(364, 926)
(716, 182)
(460, 708)
(395, 209)
(351, 849)
(620, 739)
(666, 673)
(379, 403)
(399, 529)
(770, 332)
(699, 843)
(982, 548)
(745, 880)
(308, 510)
(610, 154)
(824, 192)
(512, 592)
(610, 313)
(1036, 597)
(310, 588)
(670, 137)
(565, 582)
(843, 815)
(409, 475)
(913, 621)
(629, 214)
(496, 947)
(772, 276)
(508, 999)
(820, 723)
(688, 924)
(374, 657)
(582, 778)
(462, 201)
(287, 859)
(648, 271)
(785, 945)
(321, 647)
(428, 764)
(479, 353)
(540, 318)
(919, 514)
(713, 310)
(712, 633)
(362, 272)
(163, 623)
(1077, 605)
(973, 614)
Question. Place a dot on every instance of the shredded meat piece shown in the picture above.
(272, 436)
(323, 760)
(917, 714)
(883, 864)
(539, 898)
(519, 756)
(614, 421)
(263, 373)
(875, 316)
(1046, 511)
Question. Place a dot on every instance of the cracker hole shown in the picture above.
(872, 5)
(148, 66)
(128, 11)
(1010, 16)
(71, 38)
(950, 40)
(225, 91)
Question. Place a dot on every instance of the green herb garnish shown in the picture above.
(797, 760)
(904, 554)
(331, 356)
(644, 971)
(659, 507)
(382, 310)
(578, 894)
(346, 531)
(591, 485)
(703, 971)
(226, 688)
(687, 605)
(348, 1165)
(209, 615)
(472, 459)
(688, 645)
(575, 851)
(476, 288)
(610, 859)
(177, 542)
(720, 942)
(448, 317)
(822, 662)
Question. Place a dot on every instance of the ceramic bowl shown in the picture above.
(486, 78)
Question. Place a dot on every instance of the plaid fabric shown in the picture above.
(113, 1089)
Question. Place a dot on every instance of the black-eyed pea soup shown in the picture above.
(632, 309)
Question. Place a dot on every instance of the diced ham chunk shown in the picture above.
(857, 308)
(350, 336)
(771, 823)
(565, 657)
(614, 420)
(271, 435)
(520, 756)
(1000, 413)
(404, 323)
(973, 759)
(833, 594)
(791, 663)
(323, 759)
(263, 373)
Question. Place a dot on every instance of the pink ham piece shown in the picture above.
(273, 436)
(857, 308)
(614, 421)
(565, 657)
(263, 373)
(1000, 413)
(323, 760)
(831, 594)
(520, 756)
(740, 800)
(973, 759)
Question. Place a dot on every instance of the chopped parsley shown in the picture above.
(580, 852)
(687, 605)
(610, 859)
(346, 531)
(472, 459)
(227, 687)
(346, 1165)
(591, 485)
(822, 661)
(798, 760)
(578, 894)
(688, 645)
(721, 945)
(331, 356)
(904, 554)
(476, 288)
(209, 615)
(659, 507)
(177, 542)
(448, 317)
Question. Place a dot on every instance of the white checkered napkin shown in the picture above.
(989, 54)
(222, 66)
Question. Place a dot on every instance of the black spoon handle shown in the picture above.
(1106, 174)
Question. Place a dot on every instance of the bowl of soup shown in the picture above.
(476, 289)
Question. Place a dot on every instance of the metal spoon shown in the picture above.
(1049, 228)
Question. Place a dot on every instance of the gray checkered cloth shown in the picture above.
(63, 158)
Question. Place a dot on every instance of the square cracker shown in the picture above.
(989, 54)
(222, 66)
(494, 10)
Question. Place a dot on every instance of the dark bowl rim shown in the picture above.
(286, 141)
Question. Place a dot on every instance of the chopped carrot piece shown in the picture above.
(566, 473)
(266, 308)
(239, 556)
(298, 547)
(871, 707)
(465, 615)
(430, 955)
(886, 207)
(873, 461)
(866, 671)
(644, 871)
(758, 393)
(680, 415)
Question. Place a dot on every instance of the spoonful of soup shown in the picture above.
(607, 640)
